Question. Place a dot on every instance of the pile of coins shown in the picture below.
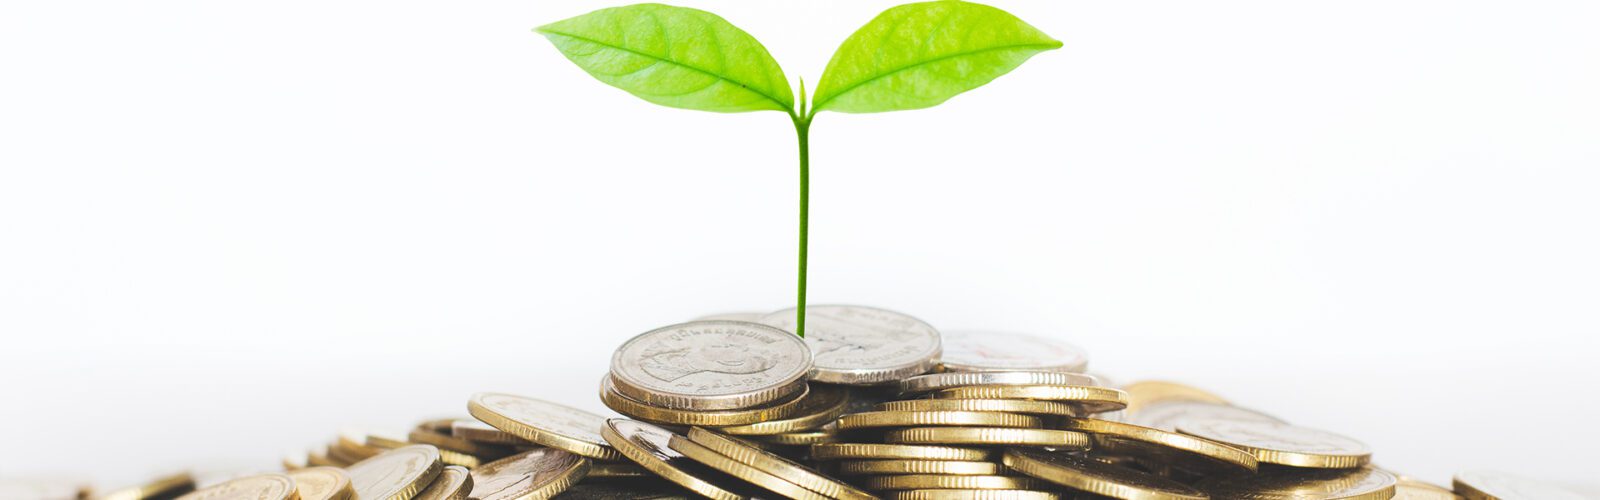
(870, 404)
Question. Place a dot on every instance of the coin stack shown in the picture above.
(870, 404)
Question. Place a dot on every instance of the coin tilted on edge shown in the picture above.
(971, 351)
(323, 483)
(858, 345)
(823, 404)
(1167, 444)
(1167, 415)
(648, 446)
(937, 381)
(535, 474)
(161, 487)
(625, 405)
(742, 470)
(989, 436)
(711, 365)
(1304, 484)
(972, 495)
(881, 451)
(259, 487)
(557, 426)
(1476, 485)
(396, 474)
(1283, 444)
(777, 466)
(454, 483)
(1096, 477)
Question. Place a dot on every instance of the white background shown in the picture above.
(229, 230)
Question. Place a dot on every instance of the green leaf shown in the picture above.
(674, 56)
(918, 55)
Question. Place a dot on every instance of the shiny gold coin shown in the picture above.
(457, 458)
(396, 474)
(323, 483)
(1205, 449)
(942, 482)
(777, 466)
(479, 432)
(1023, 406)
(452, 443)
(873, 419)
(1303, 484)
(749, 473)
(989, 436)
(543, 422)
(454, 483)
(625, 405)
(1283, 444)
(972, 495)
(801, 438)
(1145, 392)
(260, 487)
(161, 487)
(824, 404)
(893, 467)
(1412, 489)
(531, 475)
(945, 380)
(613, 470)
(648, 445)
(1098, 478)
(838, 451)
(1487, 485)
(626, 490)
(1092, 399)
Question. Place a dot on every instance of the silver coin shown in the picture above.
(860, 345)
(1489, 484)
(937, 381)
(1167, 415)
(711, 365)
(973, 351)
(753, 317)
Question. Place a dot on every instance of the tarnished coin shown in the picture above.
(161, 487)
(944, 467)
(1169, 443)
(323, 483)
(1146, 392)
(479, 432)
(1412, 489)
(1092, 399)
(1489, 485)
(535, 474)
(860, 345)
(824, 404)
(454, 483)
(259, 487)
(1166, 415)
(711, 365)
(972, 495)
(749, 473)
(648, 446)
(1095, 477)
(838, 451)
(944, 482)
(989, 436)
(1283, 444)
(625, 405)
(938, 381)
(914, 418)
(396, 474)
(973, 351)
(557, 426)
(1303, 484)
(1023, 406)
(624, 490)
(778, 466)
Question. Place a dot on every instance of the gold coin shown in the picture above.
(447, 457)
(1205, 449)
(535, 474)
(801, 438)
(386, 442)
(937, 381)
(989, 436)
(260, 487)
(920, 418)
(626, 490)
(1024, 406)
(710, 458)
(824, 404)
(473, 430)
(617, 470)
(946, 467)
(942, 482)
(647, 445)
(972, 495)
(1144, 392)
(454, 483)
(323, 483)
(663, 415)
(452, 443)
(319, 458)
(161, 487)
(1303, 484)
(1283, 444)
(777, 466)
(543, 422)
(396, 474)
(354, 446)
(1092, 399)
(1412, 489)
(1487, 485)
(834, 451)
(1096, 477)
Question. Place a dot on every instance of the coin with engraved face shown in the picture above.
(396, 474)
(323, 483)
(543, 422)
(261, 487)
(1281, 443)
(860, 345)
(979, 351)
(711, 365)
(531, 475)
(454, 483)
(1489, 484)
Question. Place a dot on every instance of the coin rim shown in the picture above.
(989, 436)
(950, 482)
(778, 466)
(873, 375)
(778, 389)
(660, 467)
(800, 421)
(533, 433)
(1023, 406)
(887, 451)
(347, 490)
(422, 480)
(554, 487)
(1094, 399)
(1183, 442)
(904, 466)
(945, 380)
(462, 490)
(918, 418)
(640, 410)
(749, 473)
(1290, 457)
(1020, 461)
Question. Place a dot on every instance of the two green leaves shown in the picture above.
(910, 57)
